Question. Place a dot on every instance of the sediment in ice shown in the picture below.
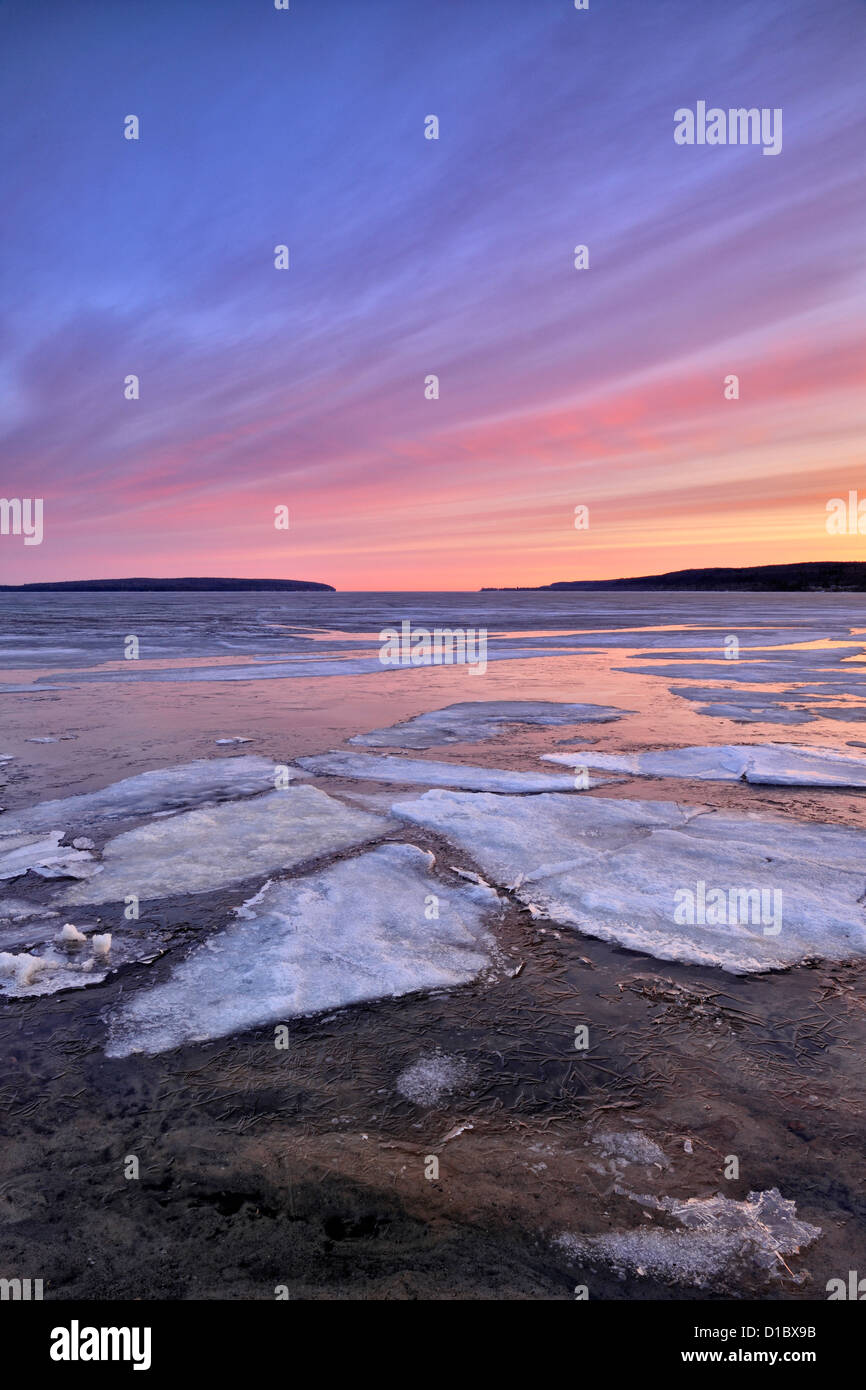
(199, 851)
(361, 929)
(742, 892)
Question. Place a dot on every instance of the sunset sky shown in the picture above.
(305, 387)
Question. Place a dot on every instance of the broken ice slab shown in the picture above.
(770, 764)
(471, 721)
(147, 793)
(429, 774)
(640, 873)
(199, 851)
(355, 931)
(44, 855)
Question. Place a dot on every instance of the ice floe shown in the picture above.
(645, 874)
(769, 764)
(471, 721)
(199, 851)
(358, 930)
(711, 694)
(755, 714)
(148, 793)
(429, 774)
(848, 676)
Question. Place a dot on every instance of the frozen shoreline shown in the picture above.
(521, 1106)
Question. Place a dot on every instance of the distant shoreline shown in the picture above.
(816, 576)
(160, 586)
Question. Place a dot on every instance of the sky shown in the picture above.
(304, 388)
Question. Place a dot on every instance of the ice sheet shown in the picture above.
(755, 714)
(769, 764)
(361, 929)
(432, 774)
(198, 851)
(625, 871)
(471, 721)
(164, 789)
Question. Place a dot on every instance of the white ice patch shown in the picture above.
(474, 720)
(199, 851)
(772, 764)
(44, 855)
(164, 789)
(70, 935)
(72, 960)
(432, 1078)
(630, 1146)
(429, 774)
(616, 870)
(355, 931)
(720, 1237)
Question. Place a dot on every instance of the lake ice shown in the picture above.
(360, 929)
